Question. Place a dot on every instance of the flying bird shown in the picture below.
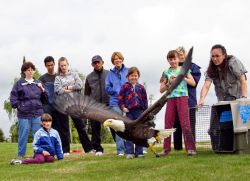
(139, 131)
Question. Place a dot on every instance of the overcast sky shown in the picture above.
(143, 30)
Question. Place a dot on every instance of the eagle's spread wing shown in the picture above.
(80, 106)
(149, 113)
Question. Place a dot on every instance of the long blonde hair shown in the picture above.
(59, 61)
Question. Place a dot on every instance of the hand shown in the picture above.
(125, 110)
(201, 103)
(68, 89)
(46, 153)
(40, 85)
(163, 87)
(172, 78)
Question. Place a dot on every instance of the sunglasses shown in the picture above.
(97, 62)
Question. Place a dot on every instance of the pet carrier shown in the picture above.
(230, 126)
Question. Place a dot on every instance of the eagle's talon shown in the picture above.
(157, 155)
(152, 148)
(158, 138)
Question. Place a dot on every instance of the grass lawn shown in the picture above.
(177, 166)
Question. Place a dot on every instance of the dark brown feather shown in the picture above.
(77, 105)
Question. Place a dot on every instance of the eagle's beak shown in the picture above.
(107, 123)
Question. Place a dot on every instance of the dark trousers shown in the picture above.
(96, 135)
(113, 134)
(178, 132)
(132, 148)
(83, 136)
(61, 124)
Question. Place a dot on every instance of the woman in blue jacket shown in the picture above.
(26, 97)
(114, 80)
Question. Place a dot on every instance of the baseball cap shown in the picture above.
(96, 58)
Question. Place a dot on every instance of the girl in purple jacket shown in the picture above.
(133, 101)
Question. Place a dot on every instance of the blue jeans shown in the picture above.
(24, 126)
(120, 145)
(131, 148)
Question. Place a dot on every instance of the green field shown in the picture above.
(177, 166)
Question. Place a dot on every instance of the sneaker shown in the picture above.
(120, 154)
(191, 153)
(66, 154)
(16, 162)
(91, 152)
(129, 156)
(140, 156)
(98, 153)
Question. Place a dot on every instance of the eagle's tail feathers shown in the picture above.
(165, 133)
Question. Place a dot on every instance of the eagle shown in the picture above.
(139, 131)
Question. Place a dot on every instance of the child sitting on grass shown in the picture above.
(46, 144)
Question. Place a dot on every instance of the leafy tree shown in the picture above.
(2, 139)
(106, 136)
(14, 132)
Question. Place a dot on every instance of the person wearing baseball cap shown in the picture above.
(95, 88)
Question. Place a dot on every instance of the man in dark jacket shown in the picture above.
(95, 88)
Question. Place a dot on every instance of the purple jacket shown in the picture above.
(27, 99)
(133, 97)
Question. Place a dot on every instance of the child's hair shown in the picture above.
(118, 54)
(132, 70)
(172, 54)
(46, 117)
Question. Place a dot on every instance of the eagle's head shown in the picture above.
(117, 125)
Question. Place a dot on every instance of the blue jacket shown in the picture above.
(26, 98)
(114, 80)
(196, 73)
(48, 141)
